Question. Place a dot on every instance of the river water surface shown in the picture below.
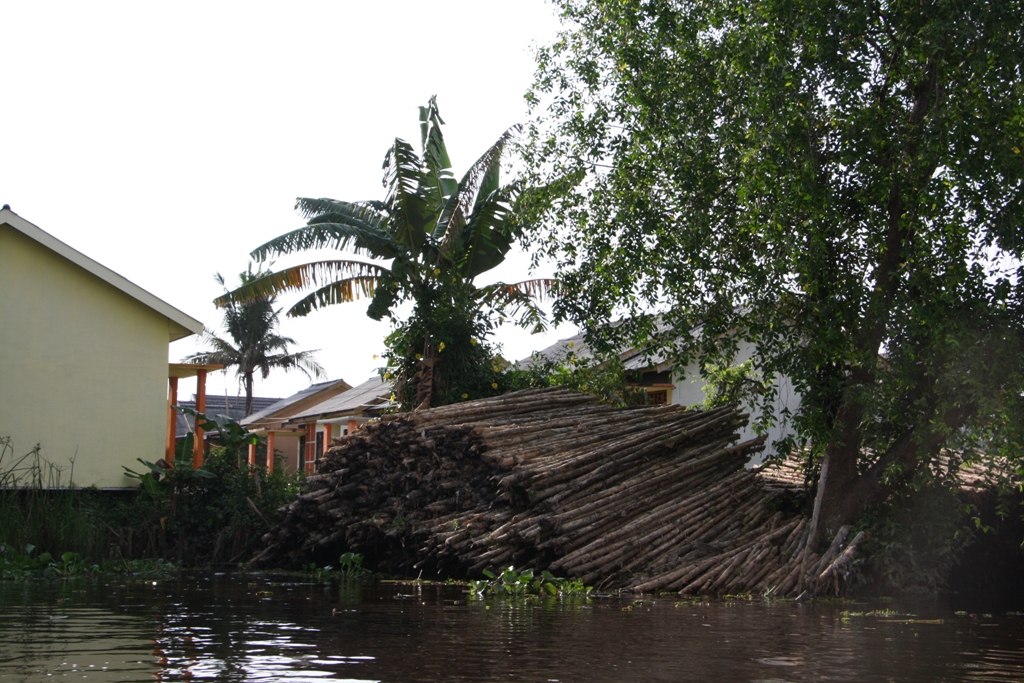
(241, 628)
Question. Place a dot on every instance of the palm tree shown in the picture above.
(255, 343)
(439, 234)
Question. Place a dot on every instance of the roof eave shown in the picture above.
(186, 325)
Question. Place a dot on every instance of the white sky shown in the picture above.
(168, 140)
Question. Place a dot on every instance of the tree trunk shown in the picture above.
(248, 393)
(843, 494)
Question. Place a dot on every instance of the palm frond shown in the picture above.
(340, 291)
(520, 301)
(212, 358)
(300, 277)
(435, 152)
(369, 210)
(220, 346)
(337, 225)
(455, 215)
(300, 360)
(409, 210)
(489, 232)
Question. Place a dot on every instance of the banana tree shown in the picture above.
(426, 242)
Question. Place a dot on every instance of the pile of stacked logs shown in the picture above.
(652, 498)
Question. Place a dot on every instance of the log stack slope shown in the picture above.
(652, 498)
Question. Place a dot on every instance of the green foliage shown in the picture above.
(732, 384)
(430, 238)
(350, 569)
(255, 342)
(190, 517)
(839, 183)
(463, 367)
(916, 540)
(605, 378)
(220, 515)
(15, 565)
(512, 584)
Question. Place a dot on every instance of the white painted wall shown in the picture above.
(689, 390)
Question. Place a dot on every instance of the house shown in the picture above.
(301, 427)
(287, 439)
(664, 383)
(83, 359)
(347, 411)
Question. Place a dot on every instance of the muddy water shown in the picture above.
(234, 628)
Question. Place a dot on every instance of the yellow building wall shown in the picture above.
(83, 367)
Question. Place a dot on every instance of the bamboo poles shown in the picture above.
(646, 499)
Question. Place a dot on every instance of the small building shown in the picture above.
(83, 359)
(288, 440)
(339, 416)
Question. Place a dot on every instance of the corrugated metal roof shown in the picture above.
(370, 393)
(283, 403)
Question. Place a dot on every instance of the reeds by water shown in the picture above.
(40, 506)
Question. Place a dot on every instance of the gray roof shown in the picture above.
(558, 352)
(283, 403)
(370, 394)
(632, 358)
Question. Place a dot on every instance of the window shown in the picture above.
(657, 397)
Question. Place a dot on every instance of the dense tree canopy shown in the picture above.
(841, 183)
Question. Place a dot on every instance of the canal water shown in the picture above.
(241, 628)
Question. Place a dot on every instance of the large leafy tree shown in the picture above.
(841, 183)
(428, 240)
(253, 343)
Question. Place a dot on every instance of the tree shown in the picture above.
(439, 235)
(841, 183)
(255, 343)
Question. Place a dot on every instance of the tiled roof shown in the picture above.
(216, 405)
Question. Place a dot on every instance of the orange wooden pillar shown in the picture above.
(252, 455)
(328, 431)
(199, 443)
(270, 452)
(172, 419)
(352, 426)
(310, 464)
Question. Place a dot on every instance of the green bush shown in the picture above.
(211, 515)
(40, 506)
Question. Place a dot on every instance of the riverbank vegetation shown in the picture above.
(178, 516)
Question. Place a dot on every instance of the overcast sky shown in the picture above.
(168, 140)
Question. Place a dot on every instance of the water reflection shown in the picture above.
(231, 628)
